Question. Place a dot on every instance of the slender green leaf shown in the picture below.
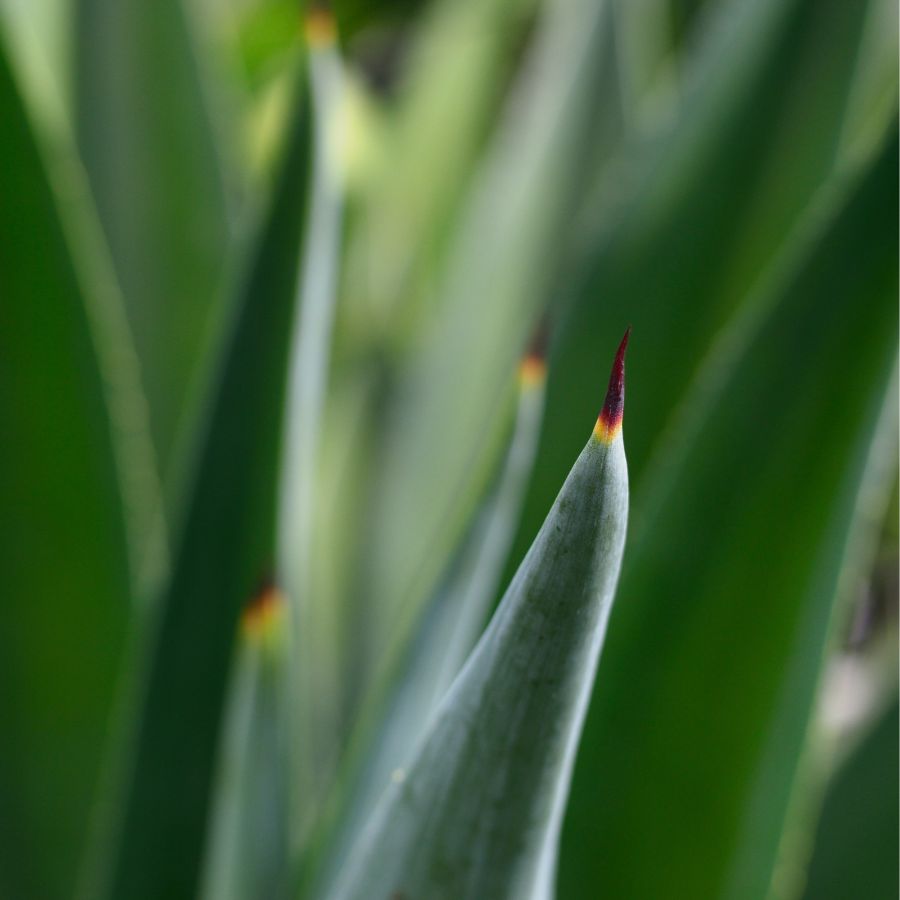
(247, 851)
(479, 810)
(63, 556)
(224, 546)
(722, 628)
(313, 677)
(146, 138)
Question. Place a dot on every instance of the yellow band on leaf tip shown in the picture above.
(319, 28)
(532, 372)
(605, 433)
(263, 618)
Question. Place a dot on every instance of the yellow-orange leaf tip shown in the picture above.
(532, 371)
(262, 617)
(319, 27)
(533, 368)
(609, 422)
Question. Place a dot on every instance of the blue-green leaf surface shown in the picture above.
(478, 811)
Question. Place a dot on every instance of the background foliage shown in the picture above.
(202, 211)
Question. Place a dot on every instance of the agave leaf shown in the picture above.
(63, 557)
(247, 852)
(753, 592)
(223, 547)
(855, 851)
(145, 134)
(478, 812)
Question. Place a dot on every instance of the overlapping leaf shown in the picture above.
(224, 545)
(728, 591)
(442, 638)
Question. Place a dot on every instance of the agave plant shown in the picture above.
(307, 567)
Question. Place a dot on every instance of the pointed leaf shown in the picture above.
(479, 810)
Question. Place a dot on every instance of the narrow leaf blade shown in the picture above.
(246, 854)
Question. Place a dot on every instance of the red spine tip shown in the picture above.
(610, 419)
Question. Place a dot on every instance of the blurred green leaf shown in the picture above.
(728, 589)
(313, 665)
(450, 95)
(679, 240)
(354, 15)
(478, 812)
(264, 34)
(443, 637)
(63, 555)
(855, 851)
(247, 852)
(38, 44)
(145, 133)
(224, 546)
